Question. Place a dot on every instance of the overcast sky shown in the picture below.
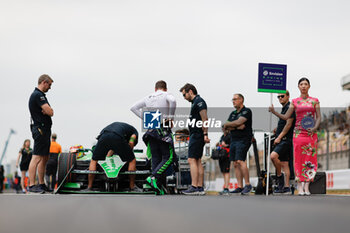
(105, 55)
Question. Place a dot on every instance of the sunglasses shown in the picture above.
(280, 96)
(184, 94)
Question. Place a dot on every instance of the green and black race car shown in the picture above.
(111, 176)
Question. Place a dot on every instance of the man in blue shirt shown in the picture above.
(41, 113)
(240, 142)
(198, 138)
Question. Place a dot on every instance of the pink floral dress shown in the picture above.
(305, 143)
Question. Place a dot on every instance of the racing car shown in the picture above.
(111, 176)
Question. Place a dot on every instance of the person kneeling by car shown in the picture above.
(117, 138)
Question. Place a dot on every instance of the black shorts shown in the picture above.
(239, 149)
(110, 141)
(224, 165)
(42, 140)
(196, 146)
(283, 149)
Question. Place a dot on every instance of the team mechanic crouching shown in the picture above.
(117, 138)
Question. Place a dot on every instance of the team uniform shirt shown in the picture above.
(226, 139)
(41, 128)
(121, 129)
(55, 148)
(115, 137)
(247, 132)
(36, 100)
(198, 104)
(282, 123)
(159, 100)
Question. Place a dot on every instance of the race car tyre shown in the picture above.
(65, 162)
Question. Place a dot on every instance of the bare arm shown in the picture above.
(110, 153)
(18, 158)
(224, 144)
(235, 124)
(283, 116)
(204, 117)
(132, 141)
(47, 110)
(284, 131)
(318, 118)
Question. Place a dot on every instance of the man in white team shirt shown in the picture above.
(159, 141)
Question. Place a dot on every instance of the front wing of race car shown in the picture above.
(111, 176)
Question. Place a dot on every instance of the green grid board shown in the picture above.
(272, 91)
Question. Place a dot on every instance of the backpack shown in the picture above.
(219, 153)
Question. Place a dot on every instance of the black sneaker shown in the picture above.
(45, 188)
(153, 182)
(35, 189)
(224, 192)
(236, 191)
(247, 189)
(200, 191)
(280, 182)
(287, 191)
(278, 191)
(191, 191)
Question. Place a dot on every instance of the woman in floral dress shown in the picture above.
(308, 119)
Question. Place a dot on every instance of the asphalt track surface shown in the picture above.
(136, 213)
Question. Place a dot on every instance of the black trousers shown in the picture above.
(162, 156)
(51, 170)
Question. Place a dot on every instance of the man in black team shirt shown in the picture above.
(283, 144)
(198, 138)
(116, 138)
(241, 140)
(41, 113)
